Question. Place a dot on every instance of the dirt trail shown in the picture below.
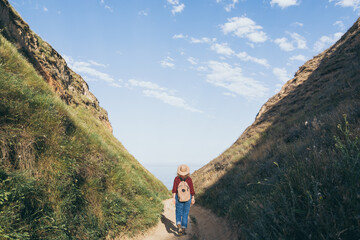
(203, 225)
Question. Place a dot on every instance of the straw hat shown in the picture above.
(183, 170)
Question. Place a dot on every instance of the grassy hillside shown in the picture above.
(305, 186)
(294, 173)
(67, 84)
(62, 173)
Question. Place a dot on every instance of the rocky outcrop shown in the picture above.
(68, 85)
(322, 83)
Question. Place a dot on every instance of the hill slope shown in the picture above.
(294, 172)
(68, 85)
(63, 175)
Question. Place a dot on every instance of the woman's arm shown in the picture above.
(174, 190)
(173, 198)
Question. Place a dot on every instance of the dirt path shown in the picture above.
(203, 225)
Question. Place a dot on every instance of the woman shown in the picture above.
(183, 207)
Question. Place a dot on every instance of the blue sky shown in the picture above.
(182, 79)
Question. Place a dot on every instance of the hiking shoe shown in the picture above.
(179, 230)
(183, 231)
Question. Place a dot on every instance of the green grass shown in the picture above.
(299, 178)
(303, 186)
(63, 175)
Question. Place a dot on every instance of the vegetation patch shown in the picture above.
(63, 175)
(306, 188)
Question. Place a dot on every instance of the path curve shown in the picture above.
(203, 225)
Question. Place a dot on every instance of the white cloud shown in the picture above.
(194, 40)
(297, 42)
(202, 69)
(284, 3)
(202, 40)
(192, 60)
(178, 36)
(229, 94)
(177, 7)
(284, 44)
(355, 4)
(170, 99)
(87, 69)
(96, 64)
(173, 2)
(144, 12)
(144, 84)
(299, 24)
(299, 57)
(154, 90)
(222, 48)
(117, 84)
(244, 27)
(245, 57)
(45, 9)
(340, 24)
(109, 8)
(231, 78)
(167, 62)
(102, 2)
(251, 45)
(326, 41)
(231, 5)
(281, 74)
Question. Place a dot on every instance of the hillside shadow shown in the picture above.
(169, 225)
(332, 89)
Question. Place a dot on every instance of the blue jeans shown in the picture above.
(182, 212)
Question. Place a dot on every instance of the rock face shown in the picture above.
(321, 84)
(71, 88)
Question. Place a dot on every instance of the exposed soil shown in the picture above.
(203, 225)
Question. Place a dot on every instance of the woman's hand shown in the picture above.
(192, 201)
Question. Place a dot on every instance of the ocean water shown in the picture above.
(167, 172)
